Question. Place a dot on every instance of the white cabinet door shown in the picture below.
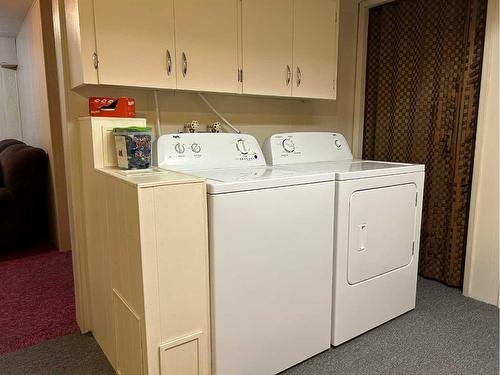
(206, 33)
(267, 47)
(135, 42)
(315, 48)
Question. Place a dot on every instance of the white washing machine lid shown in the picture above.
(355, 169)
(231, 180)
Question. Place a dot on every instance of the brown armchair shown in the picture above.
(23, 194)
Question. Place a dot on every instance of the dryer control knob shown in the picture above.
(338, 143)
(242, 147)
(288, 145)
(196, 148)
(179, 148)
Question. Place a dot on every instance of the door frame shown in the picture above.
(68, 110)
(360, 72)
(358, 122)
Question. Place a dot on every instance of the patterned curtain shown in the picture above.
(421, 101)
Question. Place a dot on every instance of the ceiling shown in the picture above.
(12, 14)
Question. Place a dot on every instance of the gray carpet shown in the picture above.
(68, 355)
(446, 334)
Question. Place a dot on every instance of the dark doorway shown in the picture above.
(423, 74)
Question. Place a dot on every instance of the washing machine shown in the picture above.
(271, 249)
(377, 210)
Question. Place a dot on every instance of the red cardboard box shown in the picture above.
(111, 107)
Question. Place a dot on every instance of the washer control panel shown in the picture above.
(306, 147)
(189, 151)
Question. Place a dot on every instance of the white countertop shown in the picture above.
(150, 177)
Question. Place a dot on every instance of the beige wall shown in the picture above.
(258, 116)
(39, 109)
(348, 23)
(10, 120)
(482, 264)
(8, 51)
(32, 84)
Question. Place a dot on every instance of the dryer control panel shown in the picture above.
(190, 151)
(306, 147)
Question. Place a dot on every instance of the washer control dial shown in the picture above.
(288, 145)
(242, 146)
(179, 148)
(338, 144)
(196, 148)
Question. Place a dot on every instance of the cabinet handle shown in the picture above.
(169, 63)
(299, 76)
(288, 75)
(184, 64)
(95, 60)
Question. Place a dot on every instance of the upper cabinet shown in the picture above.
(289, 47)
(206, 34)
(135, 43)
(266, 34)
(80, 32)
(315, 48)
(281, 47)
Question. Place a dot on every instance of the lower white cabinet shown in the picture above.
(144, 242)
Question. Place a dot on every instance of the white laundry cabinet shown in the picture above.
(142, 246)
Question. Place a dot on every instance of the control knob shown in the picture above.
(338, 143)
(288, 145)
(179, 148)
(242, 146)
(196, 148)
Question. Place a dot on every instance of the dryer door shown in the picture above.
(381, 231)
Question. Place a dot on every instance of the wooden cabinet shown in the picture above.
(267, 30)
(281, 47)
(146, 44)
(206, 33)
(289, 48)
(135, 42)
(143, 241)
(80, 31)
(315, 48)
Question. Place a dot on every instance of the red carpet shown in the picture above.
(37, 301)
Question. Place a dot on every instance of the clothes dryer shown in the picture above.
(377, 214)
